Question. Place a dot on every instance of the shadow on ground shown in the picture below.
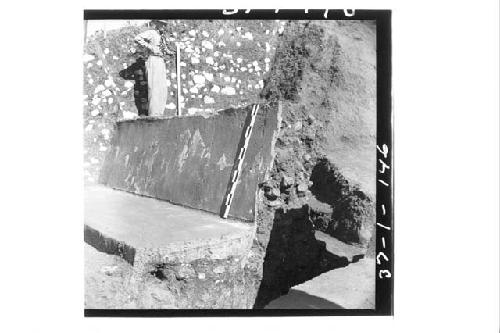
(297, 299)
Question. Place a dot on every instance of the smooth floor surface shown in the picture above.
(145, 222)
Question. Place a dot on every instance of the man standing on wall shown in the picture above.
(156, 70)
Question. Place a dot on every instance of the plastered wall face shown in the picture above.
(189, 160)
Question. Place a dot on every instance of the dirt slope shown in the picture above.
(323, 177)
(324, 75)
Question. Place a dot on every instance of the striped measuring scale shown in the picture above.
(241, 157)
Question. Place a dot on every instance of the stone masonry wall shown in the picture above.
(224, 65)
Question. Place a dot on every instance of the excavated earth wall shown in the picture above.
(323, 176)
(324, 73)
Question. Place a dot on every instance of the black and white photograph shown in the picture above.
(231, 163)
(186, 167)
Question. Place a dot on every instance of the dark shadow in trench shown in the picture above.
(293, 255)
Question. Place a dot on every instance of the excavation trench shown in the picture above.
(298, 179)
